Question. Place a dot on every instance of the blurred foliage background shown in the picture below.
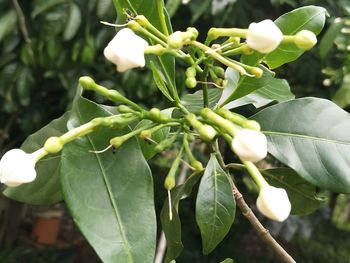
(46, 45)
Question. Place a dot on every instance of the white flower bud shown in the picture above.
(17, 167)
(126, 50)
(250, 145)
(264, 36)
(274, 203)
(305, 39)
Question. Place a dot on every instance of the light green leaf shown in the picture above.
(215, 205)
(302, 194)
(110, 200)
(73, 22)
(172, 228)
(194, 102)
(259, 91)
(46, 188)
(160, 82)
(103, 6)
(311, 136)
(172, 6)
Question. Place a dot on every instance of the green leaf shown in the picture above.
(44, 6)
(148, 8)
(103, 6)
(311, 136)
(73, 22)
(160, 82)
(110, 200)
(227, 260)
(46, 188)
(172, 228)
(329, 37)
(215, 205)
(194, 102)
(305, 18)
(342, 96)
(172, 6)
(259, 91)
(8, 22)
(302, 194)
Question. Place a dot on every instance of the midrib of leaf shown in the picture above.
(307, 21)
(304, 137)
(110, 194)
(215, 202)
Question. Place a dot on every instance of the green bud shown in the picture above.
(125, 109)
(257, 72)
(193, 33)
(169, 182)
(133, 25)
(305, 39)
(154, 114)
(251, 124)
(191, 72)
(145, 134)
(114, 95)
(191, 82)
(219, 71)
(141, 20)
(206, 132)
(197, 165)
(87, 83)
(53, 145)
(116, 142)
(175, 40)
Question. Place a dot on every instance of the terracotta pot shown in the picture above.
(46, 227)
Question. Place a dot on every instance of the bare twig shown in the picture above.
(23, 27)
(247, 212)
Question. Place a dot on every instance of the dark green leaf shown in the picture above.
(110, 200)
(7, 23)
(328, 38)
(172, 6)
(46, 188)
(302, 194)
(73, 22)
(227, 260)
(311, 136)
(215, 205)
(259, 91)
(159, 80)
(194, 102)
(43, 6)
(342, 96)
(103, 6)
(310, 18)
(172, 228)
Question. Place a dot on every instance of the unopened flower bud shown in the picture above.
(206, 132)
(274, 203)
(251, 124)
(197, 165)
(257, 72)
(169, 182)
(17, 167)
(191, 72)
(116, 142)
(175, 40)
(87, 82)
(264, 36)
(250, 145)
(53, 145)
(191, 82)
(145, 134)
(126, 50)
(305, 39)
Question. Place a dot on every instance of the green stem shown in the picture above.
(160, 7)
(210, 52)
(205, 87)
(215, 33)
(255, 174)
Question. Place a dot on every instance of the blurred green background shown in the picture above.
(46, 45)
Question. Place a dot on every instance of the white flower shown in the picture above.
(126, 50)
(264, 36)
(274, 203)
(17, 167)
(250, 145)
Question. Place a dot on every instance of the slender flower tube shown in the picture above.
(274, 203)
(264, 36)
(17, 166)
(126, 50)
(250, 145)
